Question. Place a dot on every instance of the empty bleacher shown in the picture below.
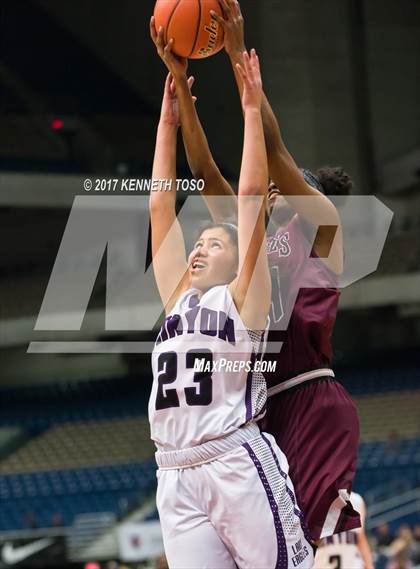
(387, 395)
(389, 414)
(87, 449)
(391, 470)
(73, 445)
(380, 378)
(10, 439)
(76, 468)
(71, 492)
(38, 407)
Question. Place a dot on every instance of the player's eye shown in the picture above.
(215, 244)
(198, 245)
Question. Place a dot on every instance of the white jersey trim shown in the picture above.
(334, 512)
(208, 451)
(307, 376)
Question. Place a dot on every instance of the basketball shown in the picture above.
(196, 34)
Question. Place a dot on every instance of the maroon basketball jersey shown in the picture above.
(302, 318)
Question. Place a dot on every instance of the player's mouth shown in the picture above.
(198, 266)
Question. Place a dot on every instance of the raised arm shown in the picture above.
(197, 149)
(283, 169)
(219, 196)
(251, 290)
(168, 248)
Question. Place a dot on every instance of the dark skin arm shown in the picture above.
(197, 149)
(283, 170)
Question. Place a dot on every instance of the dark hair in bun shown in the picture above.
(334, 181)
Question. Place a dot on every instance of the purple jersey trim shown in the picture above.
(248, 393)
(282, 557)
(289, 491)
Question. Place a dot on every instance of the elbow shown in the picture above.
(203, 169)
(257, 189)
(202, 172)
(198, 172)
(155, 204)
(248, 191)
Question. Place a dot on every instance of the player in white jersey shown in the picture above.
(224, 496)
(349, 549)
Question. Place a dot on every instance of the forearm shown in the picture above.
(252, 287)
(195, 141)
(273, 140)
(253, 293)
(254, 174)
(201, 160)
(168, 247)
(164, 167)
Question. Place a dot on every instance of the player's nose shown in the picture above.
(203, 251)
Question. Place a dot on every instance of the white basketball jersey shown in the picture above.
(204, 380)
(340, 551)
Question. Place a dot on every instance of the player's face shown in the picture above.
(214, 259)
(277, 207)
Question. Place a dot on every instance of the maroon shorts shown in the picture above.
(317, 427)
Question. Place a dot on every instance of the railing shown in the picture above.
(387, 490)
(394, 508)
(11, 535)
(87, 529)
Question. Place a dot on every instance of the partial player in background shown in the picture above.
(219, 478)
(347, 550)
(311, 416)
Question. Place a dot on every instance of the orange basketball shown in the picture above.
(196, 34)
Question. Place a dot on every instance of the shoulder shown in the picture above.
(356, 499)
(219, 294)
(184, 301)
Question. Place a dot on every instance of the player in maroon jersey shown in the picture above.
(311, 415)
(308, 411)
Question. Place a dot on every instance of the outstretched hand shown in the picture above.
(177, 66)
(170, 107)
(251, 76)
(232, 24)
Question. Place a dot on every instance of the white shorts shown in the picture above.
(222, 508)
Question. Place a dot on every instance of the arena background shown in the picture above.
(80, 91)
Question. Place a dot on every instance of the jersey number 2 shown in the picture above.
(336, 559)
(201, 394)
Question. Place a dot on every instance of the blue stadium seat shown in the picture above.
(72, 492)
